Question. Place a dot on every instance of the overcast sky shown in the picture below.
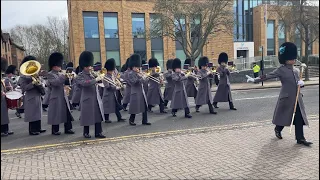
(30, 12)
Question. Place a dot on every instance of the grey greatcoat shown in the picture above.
(289, 77)
(59, 105)
(109, 95)
(168, 90)
(4, 109)
(154, 94)
(76, 94)
(223, 93)
(138, 99)
(204, 92)
(91, 106)
(191, 87)
(127, 91)
(32, 100)
(179, 96)
(46, 97)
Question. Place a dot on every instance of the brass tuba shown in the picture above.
(31, 68)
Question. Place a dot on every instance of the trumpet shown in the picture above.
(189, 72)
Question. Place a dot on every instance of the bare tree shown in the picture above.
(191, 22)
(302, 17)
(41, 40)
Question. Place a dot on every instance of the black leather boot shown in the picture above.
(215, 105)
(304, 142)
(278, 133)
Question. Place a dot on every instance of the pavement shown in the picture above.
(253, 106)
(243, 151)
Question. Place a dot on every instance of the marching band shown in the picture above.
(100, 92)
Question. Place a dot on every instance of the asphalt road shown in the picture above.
(252, 105)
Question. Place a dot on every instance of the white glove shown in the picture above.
(98, 78)
(300, 83)
(118, 88)
(249, 79)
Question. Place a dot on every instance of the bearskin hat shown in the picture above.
(143, 62)
(135, 61)
(55, 59)
(110, 64)
(223, 57)
(78, 70)
(287, 51)
(86, 59)
(28, 58)
(11, 69)
(153, 62)
(203, 61)
(169, 64)
(176, 63)
(124, 68)
(4, 64)
(187, 61)
(70, 64)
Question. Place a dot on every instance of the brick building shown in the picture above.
(6, 42)
(110, 29)
(17, 53)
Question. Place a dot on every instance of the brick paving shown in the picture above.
(226, 152)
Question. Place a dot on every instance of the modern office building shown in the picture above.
(116, 29)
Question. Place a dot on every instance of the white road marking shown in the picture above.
(264, 97)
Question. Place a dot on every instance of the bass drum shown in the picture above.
(14, 99)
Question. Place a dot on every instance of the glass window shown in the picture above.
(155, 26)
(195, 26)
(115, 55)
(181, 55)
(159, 56)
(96, 56)
(180, 26)
(111, 27)
(91, 28)
(138, 27)
(281, 30)
(270, 29)
(270, 38)
(143, 54)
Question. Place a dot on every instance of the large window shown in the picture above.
(138, 27)
(159, 56)
(116, 56)
(96, 56)
(180, 26)
(90, 22)
(195, 26)
(111, 25)
(281, 33)
(181, 55)
(270, 38)
(298, 41)
(155, 26)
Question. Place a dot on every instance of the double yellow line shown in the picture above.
(147, 135)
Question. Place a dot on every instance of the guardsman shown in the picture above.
(223, 93)
(127, 91)
(4, 110)
(91, 106)
(154, 95)
(290, 80)
(204, 91)
(59, 106)
(179, 96)
(111, 104)
(32, 101)
(191, 82)
(10, 83)
(138, 100)
(76, 90)
(169, 86)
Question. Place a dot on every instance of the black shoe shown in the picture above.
(213, 112)
(163, 112)
(56, 133)
(197, 110)
(70, 131)
(86, 135)
(44, 109)
(18, 115)
(10, 132)
(174, 114)
(34, 133)
(125, 109)
(215, 105)
(146, 123)
(278, 134)
(233, 108)
(42, 130)
(132, 123)
(304, 142)
(100, 135)
(108, 121)
(121, 120)
(187, 116)
(4, 134)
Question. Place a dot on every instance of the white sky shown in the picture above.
(30, 12)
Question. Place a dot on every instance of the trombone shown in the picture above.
(147, 75)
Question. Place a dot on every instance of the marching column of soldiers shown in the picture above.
(98, 91)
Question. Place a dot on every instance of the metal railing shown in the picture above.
(244, 64)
